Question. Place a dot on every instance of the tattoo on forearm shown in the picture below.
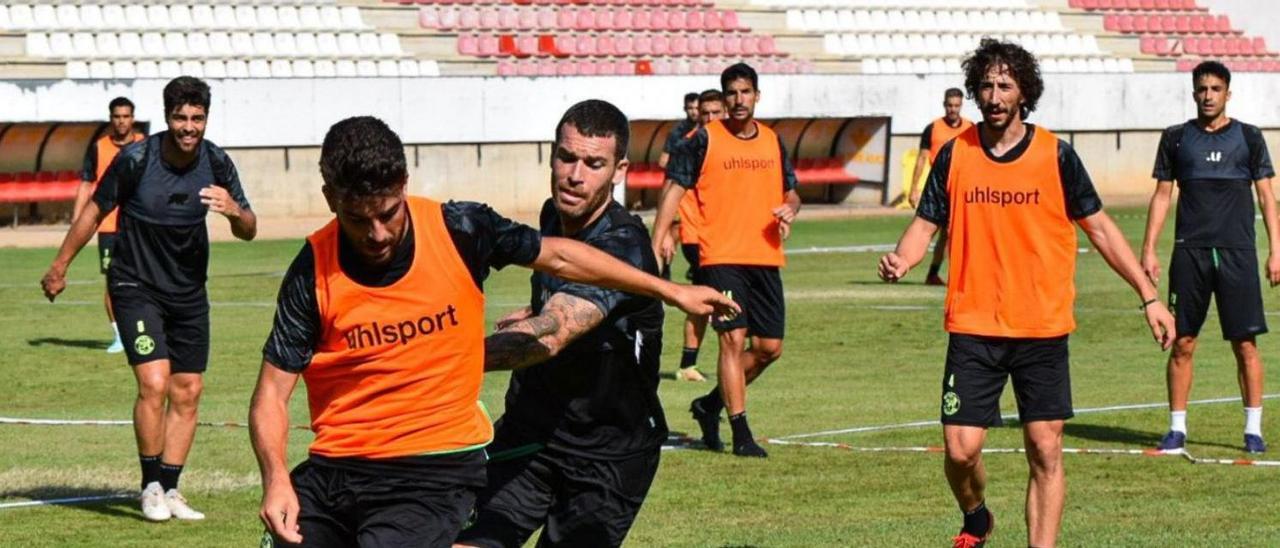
(533, 340)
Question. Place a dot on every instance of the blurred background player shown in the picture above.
(96, 160)
(382, 313)
(710, 107)
(165, 186)
(1010, 190)
(1215, 160)
(578, 445)
(677, 135)
(745, 187)
(936, 134)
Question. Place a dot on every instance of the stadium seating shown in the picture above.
(1182, 30)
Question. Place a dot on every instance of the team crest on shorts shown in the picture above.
(144, 345)
(950, 403)
(267, 541)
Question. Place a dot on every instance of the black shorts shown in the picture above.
(339, 507)
(1231, 276)
(758, 290)
(690, 252)
(169, 327)
(577, 501)
(978, 367)
(106, 241)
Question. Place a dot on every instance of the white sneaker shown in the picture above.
(153, 503)
(177, 505)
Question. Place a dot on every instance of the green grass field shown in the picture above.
(859, 353)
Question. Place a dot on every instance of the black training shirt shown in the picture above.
(163, 243)
(685, 164)
(599, 396)
(1215, 174)
(676, 135)
(484, 240)
(1081, 198)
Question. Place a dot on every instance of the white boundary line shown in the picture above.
(935, 422)
(70, 500)
(1009, 450)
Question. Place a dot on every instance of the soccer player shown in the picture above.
(578, 446)
(382, 314)
(96, 160)
(164, 187)
(1215, 161)
(936, 134)
(681, 129)
(710, 107)
(745, 187)
(1009, 192)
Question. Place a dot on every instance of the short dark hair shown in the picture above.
(739, 71)
(185, 90)
(1211, 68)
(361, 157)
(1020, 63)
(711, 95)
(596, 118)
(120, 102)
(691, 97)
(952, 92)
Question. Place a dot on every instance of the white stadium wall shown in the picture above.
(484, 138)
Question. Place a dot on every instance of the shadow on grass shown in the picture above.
(95, 344)
(1120, 434)
(119, 506)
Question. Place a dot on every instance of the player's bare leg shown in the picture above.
(1047, 482)
(1249, 373)
(967, 476)
(1178, 375)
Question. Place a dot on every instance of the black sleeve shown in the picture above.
(296, 328)
(89, 172)
(1077, 188)
(226, 176)
(673, 138)
(627, 243)
(121, 177)
(926, 137)
(1167, 154)
(789, 181)
(1259, 158)
(484, 239)
(935, 203)
(686, 159)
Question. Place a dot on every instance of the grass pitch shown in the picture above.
(858, 353)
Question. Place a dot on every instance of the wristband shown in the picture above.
(1149, 302)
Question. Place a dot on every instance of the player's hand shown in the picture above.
(784, 230)
(53, 282)
(1273, 270)
(218, 200)
(1151, 266)
(665, 251)
(1162, 324)
(280, 512)
(892, 268)
(784, 214)
(700, 300)
(515, 316)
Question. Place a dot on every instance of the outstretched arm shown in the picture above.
(1110, 243)
(536, 339)
(577, 262)
(911, 249)
(269, 434)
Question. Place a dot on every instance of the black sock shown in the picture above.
(977, 522)
(150, 469)
(689, 358)
(169, 474)
(741, 431)
(933, 269)
(713, 402)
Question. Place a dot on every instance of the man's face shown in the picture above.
(740, 99)
(374, 225)
(122, 122)
(952, 106)
(710, 110)
(186, 127)
(583, 172)
(691, 111)
(999, 97)
(1211, 95)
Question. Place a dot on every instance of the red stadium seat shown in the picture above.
(507, 45)
(506, 68)
(1224, 24)
(661, 47)
(694, 20)
(642, 20)
(488, 18)
(680, 45)
(767, 46)
(715, 45)
(623, 45)
(642, 45)
(488, 45)
(644, 67)
(604, 19)
(567, 68)
(566, 18)
(469, 18)
(1182, 23)
(1198, 24)
(1111, 22)
(587, 68)
(546, 67)
(468, 44)
(660, 20)
(585, 45)
(586, 20)
(526, 45)
(1138, 23)
(1260, 46)
(429, 18)
(697, 45)
(623, 20)
(1147, 5)
(729, 21)
(566, 45)
(605, 45)
(733, 45)
(527, 68)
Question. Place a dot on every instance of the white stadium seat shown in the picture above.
(285, 44)
(225, 17)
(263, 44)
(242, 43)
(192, 68)
(135, 17)
(170, 69)
(158, 17)
(113, 17)
(331, 18)
(267, 19)
(409, 68)
(180, 17)
(281, 68)
(237, 68)
(246, 18)
(147, 69)
(215, 69)
(68, 16)
(21, 18)
(60, 45)
(345, 68)
(327, 43)
(309, 18)
(259, 68)
(306, 43)
(203, 17)
(123, 70)
(288, 18)
(324, 68)
(45, 17)
(198, 44)
(303, 68)
(175, 44)
(351, 18)
(366, 68)
(429, 67)
(388, 68)
(220, 45)
(78, 70)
